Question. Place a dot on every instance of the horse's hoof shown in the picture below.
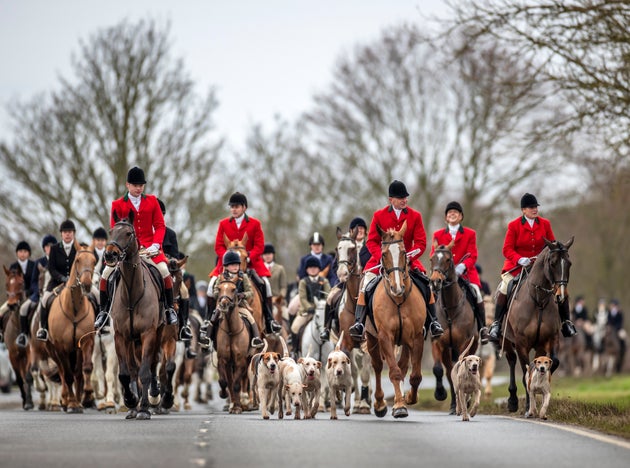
(74, 410)
(27, 406)
(223, 393)
(42, 407)
(143, 415)
(364, 410)
(512, 405)
(236, 410)
(89, 404)
(453, 412)
(440, 394)
(400, 412)
(167, 401)
(131, 414)
(380, 413)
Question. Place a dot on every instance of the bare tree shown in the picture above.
(450, 121)
(128, 103)
(582, 48)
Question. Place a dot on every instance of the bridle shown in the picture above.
(352, 261)
(112, 257)
(80, 273)
(444, 273)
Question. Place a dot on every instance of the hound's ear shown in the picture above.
(304, 386)
(300, 361)
(319, 365)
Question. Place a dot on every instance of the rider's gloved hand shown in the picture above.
(460, 269)
(524, 261)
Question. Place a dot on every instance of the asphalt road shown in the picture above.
(208, 437)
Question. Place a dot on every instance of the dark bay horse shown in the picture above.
(349, 272)
(71, 325)
(533, 321)
(19, 357)
(456, 317)
(137, 317)
(399, 315)
(232, 345)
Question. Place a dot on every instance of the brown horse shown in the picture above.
(232, 345)
(456, 317)
(532, 322)
(137, 316)
(19, 357)
(399, 314)
(71, 325)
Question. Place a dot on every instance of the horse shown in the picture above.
(532, 321)
(137, 317)
(456, 317)
(349, 273)
(232, 340)
(43, 368)
(105, 374)
(399, 313)
(19, 357)
(71, 328)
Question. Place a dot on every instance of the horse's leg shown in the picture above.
(168, 350)
(416, 370)
(510, 355)
(124, 352)
(240, 372)
(87, 349)
(111, 382)
(145, 373)
(366, 384)
(395, 375)
(438, 371)
(380, 406)
(67, 378)
(355, 357)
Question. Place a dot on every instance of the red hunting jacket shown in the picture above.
(465, 243)
(415, 236)
(148, 221)
(255, 243)
(524, 241)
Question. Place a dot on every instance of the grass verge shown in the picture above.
(596, 403)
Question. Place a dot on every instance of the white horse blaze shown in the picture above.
(395, 251)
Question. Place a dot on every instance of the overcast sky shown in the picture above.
(263, 56)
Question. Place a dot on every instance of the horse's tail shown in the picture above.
(285, 350)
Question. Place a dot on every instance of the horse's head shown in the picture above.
(15, 287)
(83, 270)
(227, 292)
(442, 266)
(240, 247)
(347, 255)
(394, 259)
(122, 241)
(557, 265)
(175, 269)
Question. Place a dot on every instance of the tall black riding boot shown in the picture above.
(568, 329)
(22, 339)
(499, 311)
(42, 333)
(295, 345)
(2, 329)
(185, 334)
(434, 326)
(169, 309)
(101, 318)
(480, 315)
(271, 326)
(325, 334)
(356, 330)
(256, 342)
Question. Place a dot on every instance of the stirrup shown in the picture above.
(185, 334)
(483, 335)
(436, 329)
(356, 331)
(101, 320)
(42, 334)
(257, 343)
(22, 340)
(273, 327)
(495, 332)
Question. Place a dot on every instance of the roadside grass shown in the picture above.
(596, 403)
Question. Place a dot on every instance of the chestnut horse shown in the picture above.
(532, 321)
(19, 357)
(232, 344)
(456, 317)
(137, 317)
(71, 328)
(399, 313)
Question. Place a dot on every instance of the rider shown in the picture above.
(464, 257)
(415, 241)
(278, 279)
(233, 228)
(317, 243)
(27, 267)
(171, 250)
(232, 270)
(59, 265)
(524, 240)
(310, 288)
(363, 255)
(148, 224)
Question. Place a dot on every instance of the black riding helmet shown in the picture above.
(230, 258)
